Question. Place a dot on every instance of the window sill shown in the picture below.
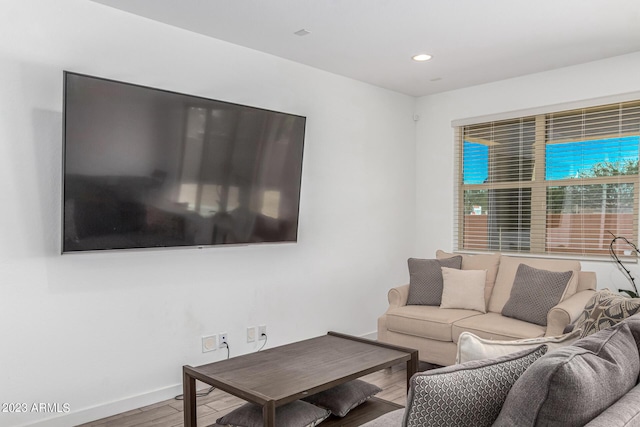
(587, 258)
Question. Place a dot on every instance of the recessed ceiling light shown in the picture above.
(421, 57)
(302, 32)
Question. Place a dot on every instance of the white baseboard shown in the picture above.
(127, 404)
(370, 335)
(97, 412)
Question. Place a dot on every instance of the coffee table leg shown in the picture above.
(412, 367)
(269, 414)
(189, 396)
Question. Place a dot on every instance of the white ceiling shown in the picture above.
(472, 41)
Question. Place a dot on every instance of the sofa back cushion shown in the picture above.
(489, 262)
(572, 385)
(507, 273)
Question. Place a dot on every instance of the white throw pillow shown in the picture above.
(463, 289)
(472, 347)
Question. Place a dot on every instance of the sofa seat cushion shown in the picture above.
(494, 326)
(426, 321)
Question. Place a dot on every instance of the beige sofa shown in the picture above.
(434, 331)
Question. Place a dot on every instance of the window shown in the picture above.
(556, 183)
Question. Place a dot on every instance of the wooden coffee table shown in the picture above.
(281, 375)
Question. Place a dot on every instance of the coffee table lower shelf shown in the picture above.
(368, 411)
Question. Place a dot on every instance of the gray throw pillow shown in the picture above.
(572, 385)
(294, 414)
(344, 397)
(425, 279)
(534, 293)
(469, 394)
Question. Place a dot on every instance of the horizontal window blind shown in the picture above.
(558, 183)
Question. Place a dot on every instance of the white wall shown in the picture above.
(107, 332)
(435, 138)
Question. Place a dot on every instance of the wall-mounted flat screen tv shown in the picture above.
(150, 168)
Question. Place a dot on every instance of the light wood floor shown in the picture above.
(218, 403)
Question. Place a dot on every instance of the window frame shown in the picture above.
(539, 184)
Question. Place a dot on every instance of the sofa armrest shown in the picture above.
(566, 312)
(587, 281)
(398, 296)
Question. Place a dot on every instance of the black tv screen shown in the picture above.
(149, 168)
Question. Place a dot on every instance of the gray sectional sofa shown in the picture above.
(434, 331)
(593, 383)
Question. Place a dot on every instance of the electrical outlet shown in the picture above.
(209, 343)
(222, 343)
(251, 334)
(262, 332)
